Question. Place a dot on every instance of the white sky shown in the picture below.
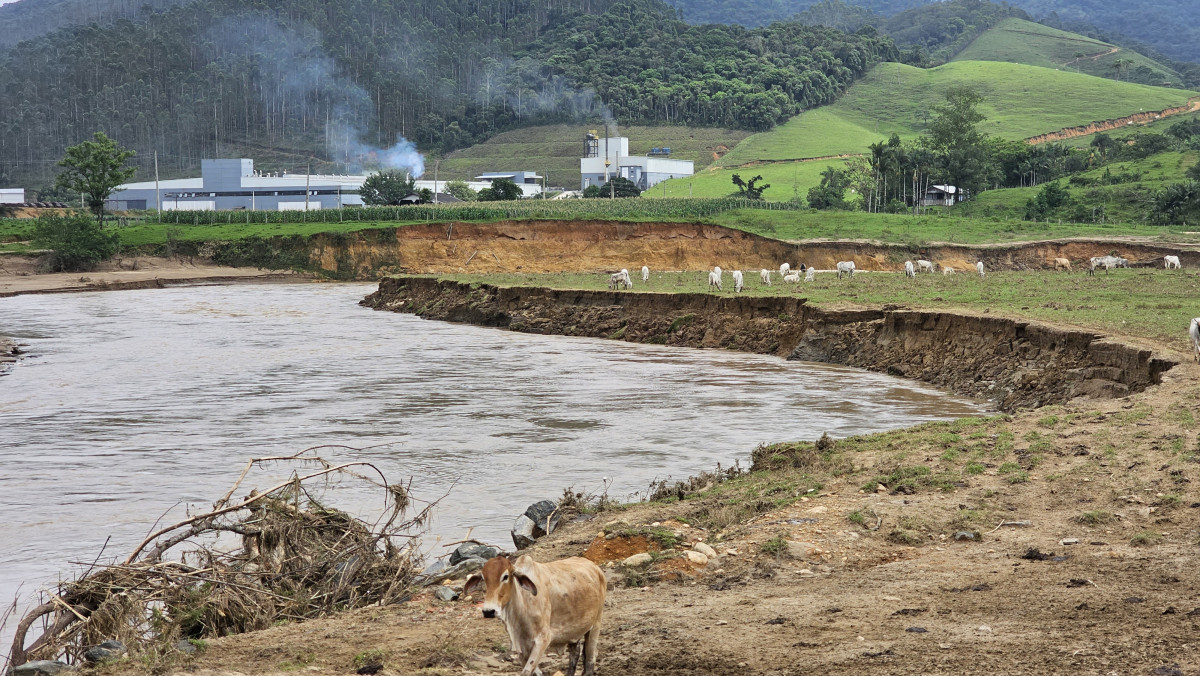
(5, 2)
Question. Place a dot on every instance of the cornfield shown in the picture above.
(591, 209)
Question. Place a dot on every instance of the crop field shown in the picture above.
(1019, 41)
(1145, 303)
(554, 150)
(788, 180)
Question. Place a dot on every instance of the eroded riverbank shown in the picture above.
(1014, 364)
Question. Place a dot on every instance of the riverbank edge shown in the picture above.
(165, 282)
(1013, 364)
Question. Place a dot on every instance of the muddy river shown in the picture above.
(134, 404)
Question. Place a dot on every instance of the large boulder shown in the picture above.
(471, 550)
(108, 650)
(522, 532)
(41, 668)
(544, 515)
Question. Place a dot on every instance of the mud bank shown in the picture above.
(600, 246)
(1014, 364)
(8, 354)
(1116, 123)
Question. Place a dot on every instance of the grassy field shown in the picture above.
(554, 150)
(1123, 201)
(1020, 101)
(1156, 127)
(1153, 304)
(788, 180)
(937, 227)
(1018, 41)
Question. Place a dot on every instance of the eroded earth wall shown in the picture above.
(1015, 364)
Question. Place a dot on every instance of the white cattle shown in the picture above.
(645, 274)
(1172, 262)
(925, 266)
(545, 606)
(946, 272)
(619, 280)
(765, 276)
(845, 267)
(979, 267)
(1106, 262)
(714, 279)
(737, 281)
(909, 271)
(810, 274)
(1194, 334)
(793, 278)
(784, 269)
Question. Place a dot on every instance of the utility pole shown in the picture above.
(544, 175)
(436, 163)
(307, 182)
(157, 193)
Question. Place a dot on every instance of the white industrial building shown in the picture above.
(604, 158)
(234, 184)
(12, 195)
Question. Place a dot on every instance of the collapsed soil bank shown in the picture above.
(607, 246)
(1014, 364)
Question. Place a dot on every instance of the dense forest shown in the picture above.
(222, 77)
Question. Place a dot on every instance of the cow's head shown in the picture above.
(501, 583)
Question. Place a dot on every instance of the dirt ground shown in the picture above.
(823, 583)
(18, 275)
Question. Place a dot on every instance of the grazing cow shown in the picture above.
(765, 276)
(545, 606)
(1107, 262)
(846, 267)
(810, 274)
(618, 280)
(793, 278)
(714, 279)
(909, 271)
(784, 269)
(946, 272)
(979, 267)
(737, 281)
(925, 266)
(645, 274)
(1194, 334)
(1172, 262)
(1062, 264)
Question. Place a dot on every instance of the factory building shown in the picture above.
(604, 158)
(12, 195)
(234, 184)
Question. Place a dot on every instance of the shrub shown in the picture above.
(77, 242)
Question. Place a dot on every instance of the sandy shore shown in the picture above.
(18, 275)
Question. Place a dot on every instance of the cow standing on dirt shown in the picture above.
(909, 271)
(845, 267)
(1172, 262)
(545, 606)
(1062, 264)
(1194, 334)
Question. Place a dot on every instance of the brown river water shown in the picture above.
(135, 404)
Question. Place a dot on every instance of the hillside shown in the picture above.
(1020, 101)
(1019, 41)
(1170, 26)
(554, 150)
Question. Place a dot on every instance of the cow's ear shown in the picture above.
(474, 584)
(525, 582)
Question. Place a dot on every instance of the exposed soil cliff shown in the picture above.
(1015, 364)
(1108, 125)
(599, 246)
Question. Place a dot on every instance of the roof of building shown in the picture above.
(950, 189)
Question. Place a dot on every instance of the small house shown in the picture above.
(943, 196)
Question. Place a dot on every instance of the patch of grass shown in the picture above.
(1146, 538)
(369, 658)
(1017, 477)
(680, 323)
(1050, 421)
(973, 468)
(776, 546)
(902, 536)
(1170, 501)
(858, 518)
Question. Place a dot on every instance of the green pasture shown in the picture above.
(1019, 41)
(937, 226)
(788, 180)
(1148, 303)
(1020, 101)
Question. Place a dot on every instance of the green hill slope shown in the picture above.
(1020, 41)
(1020, 101)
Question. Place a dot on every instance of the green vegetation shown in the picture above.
(1146, 538)
(776, 546)
(1018, 41)
(76, 242)
(1149, 303)
(387, 188)
(93, 169)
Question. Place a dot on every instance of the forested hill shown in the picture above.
(296, 81)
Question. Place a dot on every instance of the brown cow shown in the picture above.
(545, 606)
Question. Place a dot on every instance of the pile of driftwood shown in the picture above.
(298, 558)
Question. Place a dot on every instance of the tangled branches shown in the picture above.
(279, 554)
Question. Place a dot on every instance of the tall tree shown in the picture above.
(961, 147)
(93, 169)
(387, 188)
